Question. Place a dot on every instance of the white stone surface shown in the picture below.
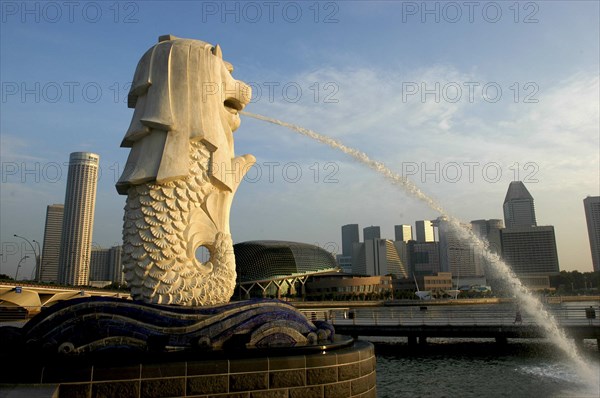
(181, 174)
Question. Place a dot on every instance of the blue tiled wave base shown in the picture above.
(97, 324)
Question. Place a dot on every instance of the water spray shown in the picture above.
(530, 304)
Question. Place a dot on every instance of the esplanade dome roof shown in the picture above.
(267, 259)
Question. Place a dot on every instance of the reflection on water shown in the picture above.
(479, 368)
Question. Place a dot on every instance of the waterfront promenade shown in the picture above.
(498, 321)
(415, 319)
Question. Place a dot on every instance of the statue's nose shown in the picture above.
(244, 92)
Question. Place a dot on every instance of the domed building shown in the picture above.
(275, 268)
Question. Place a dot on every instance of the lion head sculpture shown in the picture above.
(182, 91)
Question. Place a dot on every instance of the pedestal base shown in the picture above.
(342, 372)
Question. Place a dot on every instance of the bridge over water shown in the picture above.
(23, 300)
(418, 323)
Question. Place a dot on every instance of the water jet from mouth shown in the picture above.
(529, 303)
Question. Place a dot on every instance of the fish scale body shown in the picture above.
(159, 254)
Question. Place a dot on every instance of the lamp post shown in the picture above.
(19, 266)
(37, 257)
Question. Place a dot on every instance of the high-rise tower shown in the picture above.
(78, 220)
(402, 233)
(490, 231)
(591, 205)
(349, 237)
(530, 251)
(372, 232)
(425, 231)
(518, 206)
(51, 249)
(456, 255)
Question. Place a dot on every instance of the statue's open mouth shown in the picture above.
(233, 105)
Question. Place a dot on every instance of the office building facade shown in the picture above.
(591, 205)
(531, 253)
(518, 207)
(78, 220)
(99, 265)
(456, 255)
(372, 232)
(378, 257)
(349, 238)
(105, 265)
(424, 231)
(488, 230)
(402, 233)
(424, 258)
(48, 271)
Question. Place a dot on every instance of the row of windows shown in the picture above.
(438, 281)
(349, 289)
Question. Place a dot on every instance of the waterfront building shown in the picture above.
(48, 271)
(342, 286)
(518, 207)
(78, 220)
(591, 205)
(531, 252)
(424, 231)
(275, 268)
(438, 284)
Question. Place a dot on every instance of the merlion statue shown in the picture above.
(181, 174)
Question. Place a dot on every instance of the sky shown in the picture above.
(460, 97)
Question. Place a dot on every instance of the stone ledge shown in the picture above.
(346, 372)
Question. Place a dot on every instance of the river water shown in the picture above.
(482, 368)
(478, 368)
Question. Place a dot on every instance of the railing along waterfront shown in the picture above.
(444, 316)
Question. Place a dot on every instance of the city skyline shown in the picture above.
(352, 229)
(371, 75)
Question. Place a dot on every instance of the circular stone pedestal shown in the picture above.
(343, 372)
